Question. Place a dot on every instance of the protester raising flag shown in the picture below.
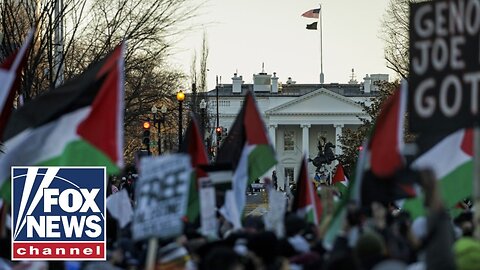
(80, 124)
(193, 145)
(247, 149)
(382, 179)
(10, 73)
(378, 182)
(306, 202)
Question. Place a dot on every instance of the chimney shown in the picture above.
(236, 84)
(290, 81)
(262, 82)
(367, 84)
(275, 83)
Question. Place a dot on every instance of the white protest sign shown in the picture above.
(162, 194)
(119, 206)
(207, 208)
(276, 212)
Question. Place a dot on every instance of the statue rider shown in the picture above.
(325, 153)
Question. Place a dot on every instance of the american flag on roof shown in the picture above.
(312, 13)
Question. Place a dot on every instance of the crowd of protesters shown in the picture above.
(380, 237)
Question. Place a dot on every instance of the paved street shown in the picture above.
(257, 204)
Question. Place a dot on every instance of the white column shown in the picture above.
(273, 135)
(338, 133)
(305, 139)
(273, 140)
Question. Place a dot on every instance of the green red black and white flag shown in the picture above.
(451, 159)
(306, 202)
(194, 146)
(340, 177)
(247, 150)
(386, 143)
(384, 159)
(379, 161)
(77, 124)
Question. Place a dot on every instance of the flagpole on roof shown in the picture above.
(322, 77)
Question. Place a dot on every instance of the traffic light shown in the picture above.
(146, 125)
(146, 135)
(219, 130)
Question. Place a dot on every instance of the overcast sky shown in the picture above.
(242, 34)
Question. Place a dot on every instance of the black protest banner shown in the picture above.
(444, 65)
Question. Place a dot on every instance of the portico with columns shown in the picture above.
(295, 128)
(296, 116)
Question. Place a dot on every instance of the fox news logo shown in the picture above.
(58, 213)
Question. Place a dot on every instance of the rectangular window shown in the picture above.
(288, 140)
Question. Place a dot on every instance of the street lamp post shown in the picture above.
(180, 98)
(203, 107)
(157, 122)
(203, 125)
(218, 120)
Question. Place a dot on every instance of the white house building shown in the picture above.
(296, 115)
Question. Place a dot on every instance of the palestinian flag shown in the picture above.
(306, 201)
(10, 73)
(340, 177)
(340, 180)
(246, 149)
(384, 161)
(386, 143)
(378, 163)
(353, 194)
(193, 145)
(451, 159)
(77, 124)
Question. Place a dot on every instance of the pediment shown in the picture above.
(289, 160)
(321, 101)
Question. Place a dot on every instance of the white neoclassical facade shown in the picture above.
(297, 115)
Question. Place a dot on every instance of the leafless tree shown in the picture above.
(94, 28)
(395, 29)
(200, 73)
(193, 68)
(18, 17)
(203, 64)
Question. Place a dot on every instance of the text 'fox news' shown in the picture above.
(58, 213)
